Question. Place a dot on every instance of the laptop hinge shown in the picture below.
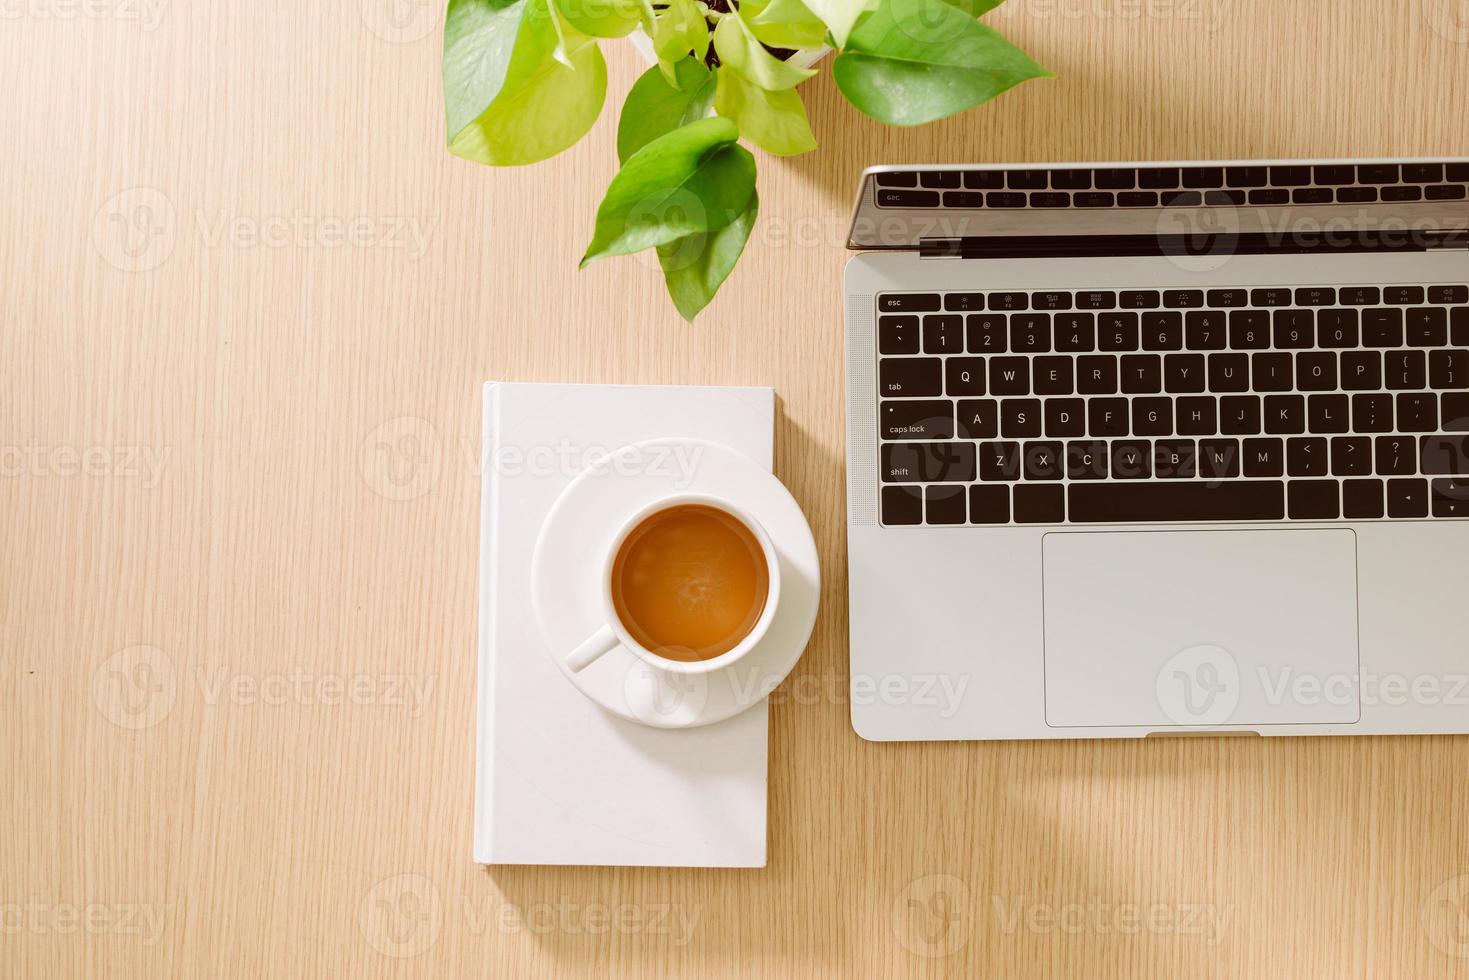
(1254, 243)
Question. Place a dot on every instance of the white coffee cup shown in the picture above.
(613, 634)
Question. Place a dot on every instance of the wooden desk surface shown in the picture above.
(248, 302)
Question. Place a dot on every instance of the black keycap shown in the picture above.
(1228, 297)
(902, 505)
(988, 333)
(1268, 197)
(1264, 457)
(1152, 416)
(989, 504)
(1316, 371)
(1402, 193)
(1196, 416)
(1094, 199)
(1224, 199)
(1087, 460)
(1295, 329)
(1455, 412)
(1356, 195)
(1459, 326)
(1009, 302)
(1361, 370)
(984, 180)
(1336, 174)
(1446, 192)
(1075, 333)
(1422, 173)
(1351, 456)
(1132, 460)
(1359, 296)
(1050, 301)
(1053, 376)
(1040, 503)
(964, 302)
(1403, 295)
(908, 303)
(1027, 180)
(1311, 195)
(1249, 329)
(1450, 498)
(910, 377)
(1448, 369)
(1137, 199)
(1396, 455)
(1271, 296)
(1307, 457)
(1065, 418)
(1020, 418)
(1050, 199)
(1315, 296)
(1285, 414)
(939, 178)
(1448, 294)
(917, 420)
(889, 198)
(1004, 199)
(1327, 414)
(946, 505)
(1247, 176)
(1009, 376)
(1175, 460)
(1096, 375)
(1337, 328)
(1043, 460)
(1142, 374)
(1162, 331)
(1378, 173)
(1405, 370)
(1198, 177)
(1030, 333)
(971, 200)
(1096, 300)
(897, 334)
(943, 334)
(1290, 176)
(1239, 415)
(1372, 413)
(999, 461)
(964, 376)
(1107, 417)
(1407, 498)
(1141, 299)
(1382, 328)
(1158, 178)
(1069, 179)
(1362, 500)
(1427, 326)
(1246, 500)
(1183, 299)
(1115, 180)
(1272, 371)
(1443, 454)
(1219, 459)
(928, 462)
(1117, 331)
(1314, 500)
(979, 418)
(1183, 373)
(1458, 171)
(898, 178)
(1229, 372)
(1417, 412)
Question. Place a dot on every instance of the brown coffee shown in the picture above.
(690, 582)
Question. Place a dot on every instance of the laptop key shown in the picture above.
(1183, 299)
(928, 462)
(1040, 503)
(979, 418)
(1132, 460)
(1285, 414)
(1075, 332)
(1396, 455)
(1175, 460)
(1158, 178)
(1459, 326)
(984, 180)
(1359, 296)
(1443, 454)
(964, 302)
(1315, 296)
(1053, 376)
(1152, 416)
(999, 462)
(1009, 376)
(1316, 371)
(1229, 372)
(1239, 415)
(1094, 199)
(1264, 457)
(1448, 294)
(1107, 417)
(970, 200)
(989, 504)
(1009, 301)
(1043, 460)
(1450, 498)
(890, 198)
(964, 376)
(897, 335)
(1249, 329)
(1099, 300)
(1228, 297)
(898, 178)
(1356, 195)
(1337, 328)
(1184, 373)
(1381, 173)
(1020, 418)
(1295, 329)
(1455, 412)
(943, 334)
(1372, 413)
(1290, 176)
(1142, 374)
(910, 377)
(1071, 179)
(918, 420)
(1307, 457)
(1163, 331)
(1115, 179)
(1246, 500)
(902, 505)
(1362, 500)
(1272, 296)
(1336, 174)
(1448, 369)
(1117, 332)
(1141, 299)
(1196, 416)
(1087, 460)
(1004, 200)
(1027, 180)
(1417, 412)
(946, 504)
(1351, 456)
(1407, 498)
(1219, 459)
(1382, 328)
(1314, 500)
(1428, 326)
(1405, 370)
(1446, 192)
(988, 333)
(1030, 333)
(1403, 295)
(1050, 301)
(1272, 371)
(1327, 414)
(1065, 418)
(908, 303)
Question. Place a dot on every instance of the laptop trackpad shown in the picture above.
(1193, 629)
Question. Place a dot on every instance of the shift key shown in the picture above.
(928, 462)
(918, 420)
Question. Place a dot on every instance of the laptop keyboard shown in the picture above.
(1163, 406)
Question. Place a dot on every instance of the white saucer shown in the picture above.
(565, 591)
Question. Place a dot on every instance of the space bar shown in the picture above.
(1244, 500)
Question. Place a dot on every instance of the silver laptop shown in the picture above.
(1141, 449)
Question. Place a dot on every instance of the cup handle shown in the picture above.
(591, 648)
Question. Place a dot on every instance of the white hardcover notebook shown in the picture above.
(560, 780)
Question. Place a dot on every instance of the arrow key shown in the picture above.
(1451, 498)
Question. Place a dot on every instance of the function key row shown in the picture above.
(1142, 299)
(889, 197)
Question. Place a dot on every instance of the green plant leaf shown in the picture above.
(785, 24)
(696, 178)
(975, 8)
(479, 36)
(602, 18)
(839, 15)
(740, 51)
(914, 61)
(679, 30)
(654, 107)
(774, 121)
(695, 266)
(541, 105)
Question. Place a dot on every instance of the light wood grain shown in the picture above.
(270, 831)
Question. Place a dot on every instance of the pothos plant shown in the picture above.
(525, 79)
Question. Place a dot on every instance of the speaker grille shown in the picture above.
(861, 421)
